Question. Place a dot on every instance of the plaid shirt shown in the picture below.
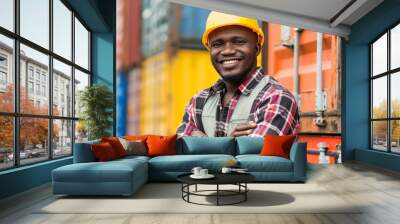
(274, 110)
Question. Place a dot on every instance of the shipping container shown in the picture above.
(154, 96)
(167, 85)
(156, 18)
(332, 142)
(129, 14)
(192, 72)
(133, 102)
(122, 91)
(319, 122)
(192, 22)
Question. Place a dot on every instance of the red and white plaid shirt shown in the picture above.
(274, 110)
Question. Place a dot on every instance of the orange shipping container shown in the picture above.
(280, 64)
(317, 123)
(129, 16)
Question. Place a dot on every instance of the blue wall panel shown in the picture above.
(357, 100)
(380, 159)
(356, 82)
(24, 178)
(102, 58)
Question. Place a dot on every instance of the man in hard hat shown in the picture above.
(245, 101)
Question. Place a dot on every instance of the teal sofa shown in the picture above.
(125, 176)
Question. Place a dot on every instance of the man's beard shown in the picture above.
(237, 79)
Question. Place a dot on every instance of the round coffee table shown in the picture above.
(238, 179)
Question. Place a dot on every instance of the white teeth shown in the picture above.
(230, 62)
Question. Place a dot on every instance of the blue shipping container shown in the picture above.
(122, 92)
(193, 22)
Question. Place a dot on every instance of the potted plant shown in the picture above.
(96, 102)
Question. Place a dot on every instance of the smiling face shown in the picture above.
(233, 51)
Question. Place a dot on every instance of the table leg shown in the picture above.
(196, 188)
(217, 194)
(188, 190)
(182, 189)
(245, 191)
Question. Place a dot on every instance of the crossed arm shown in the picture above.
(277, 115)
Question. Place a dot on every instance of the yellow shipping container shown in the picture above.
(167, 84)
(154, 95)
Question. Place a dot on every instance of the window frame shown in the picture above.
(16, 114)
(388, 74)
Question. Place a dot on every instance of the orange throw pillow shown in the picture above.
(103, 152)
(116, 145)
(275, 145)
(136, 137)
(161, 145)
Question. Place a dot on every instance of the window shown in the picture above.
(62, 29)
(34, 21)
(62, 75)
(43, 90)
(30, 87)
(41, 83)
(7, 14)
(3, 61)
(3, 78)
(37, 75)
(81, 45)
(385, 96)
(6, 73)
(3, 72)
(38, 89)
(30, 72)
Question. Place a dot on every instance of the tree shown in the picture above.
(33, 131)
(97, 104)
(380, 128)
(6, 122)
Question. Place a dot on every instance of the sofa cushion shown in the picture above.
(103, 152)
(136, 137)
(161, 145)
(249, 145)
(132, 158)
(111, 171)
(206, 145)
(134, 147)
(257, 163)
(116, 145)
(185, 163)
(275, 145)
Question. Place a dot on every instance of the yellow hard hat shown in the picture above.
(217, 20)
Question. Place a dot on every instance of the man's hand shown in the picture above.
(244, 129)
(198, 134)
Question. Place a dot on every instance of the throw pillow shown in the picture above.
(103, 151)
(134, 147)
(136, 137)
(161, 145)
(116, 145)
(275, 145)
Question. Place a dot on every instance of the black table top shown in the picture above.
(220, 178)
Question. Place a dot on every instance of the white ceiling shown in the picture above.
(326, 16)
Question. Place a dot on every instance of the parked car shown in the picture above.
(22, 155)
